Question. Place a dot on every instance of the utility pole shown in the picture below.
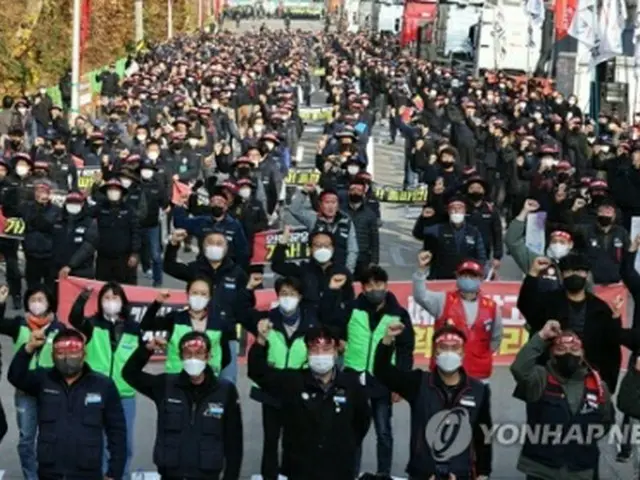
(139, 20)
(75, 61)
(200, 13)
(169, 19)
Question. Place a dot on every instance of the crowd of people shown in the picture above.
(220, 114)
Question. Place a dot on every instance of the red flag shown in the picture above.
(564, 10)
(85, 26)
(180, 192)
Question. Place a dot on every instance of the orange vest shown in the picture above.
(478, 357)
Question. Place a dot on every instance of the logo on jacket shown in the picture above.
(448, 433)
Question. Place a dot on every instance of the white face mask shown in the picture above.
(73, 208)
(197, 303)
(146, 173)
(111, 308)
(321, 364)
(153, 155)
(22, 111)
(456, 218)
(37, 307)
(193, 142)
(288, 304)
(258, 128)
(558, 250)
(194, 366)
(270, 145)
(323, 255)
(126, 182)
(141, 138)
(214, 253)
(605, 148)
(244, 192)
(114, 195)
(449, 361)
(353, 169)
(22, 170)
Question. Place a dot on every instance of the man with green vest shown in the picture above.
(111, 338)
(198, 316)
(286, 349)
(364, 324)
(40, 307)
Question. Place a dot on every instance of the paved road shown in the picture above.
(398, 253)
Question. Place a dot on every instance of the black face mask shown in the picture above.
(177, 146)
(217, 211)
(58, 151)
(447, 165)
(68, 367)
(375, 297)
(355, 198)
(566, 364)
(475, 196)
(605, 221)
(243, 172)
(15, 143)
(574, 283)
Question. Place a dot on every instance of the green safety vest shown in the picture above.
(102, 358)
(281, 356)
(362, 343)
(43, 357)
(173, 363)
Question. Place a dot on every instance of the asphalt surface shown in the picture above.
(398, 252)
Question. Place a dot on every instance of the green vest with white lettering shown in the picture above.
(173, 363)
(102, 358)
(43, 357)
(362, 342)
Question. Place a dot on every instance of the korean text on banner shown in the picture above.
(504, 293)
(264, 243)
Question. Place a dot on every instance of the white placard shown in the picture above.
(534, 233)
(299, 154)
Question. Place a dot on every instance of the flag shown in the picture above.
(583, 26)
(564, 10)
(85, 26)
(613, 17)
(499, 34)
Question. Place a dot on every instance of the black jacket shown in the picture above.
(40, 221)
(72, 446)
(365, 222)
(321, 424)
(199, 428)
(118, 229)
(75, 240)
(602, 335)
(156, 197)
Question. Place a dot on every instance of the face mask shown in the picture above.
(456, 218)
(111, 308)
(376, 297)
(59, 151)
(448, 361)
(217, 211)
(141, 138)
(114, 195)
(355, 198)
(321, 364)
(68, 367)
(177, 146)
(258, 128)
(447, 165)
(22, 111)
(243, 172)
(153, 155)
(244, 193)
(126, 182)
(146, 173)
(269, 145)
(566, 364)
(22, 170)
(572, 102)
(38, 308)
(323, 255)
(194, 366)
(558, 250)
(475, 196)
(605, 148)
(605, 221)
(468, 285)
(353, 169)
(214, 253)
(73, 208)
(288, 304)
(197, 303)
(193, 142)
(574, 283)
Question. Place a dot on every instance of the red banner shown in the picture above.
(85, 26)
(504, 293)
(564, 10)
(264, 243)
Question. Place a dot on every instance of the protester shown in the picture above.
(71, 445)
(327, 409)
(199, 424)
(446, 387)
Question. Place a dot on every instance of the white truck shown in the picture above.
(388, 15)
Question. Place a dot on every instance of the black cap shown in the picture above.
(574, 261)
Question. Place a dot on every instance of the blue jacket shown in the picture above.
(73, 421)
(232, 229)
